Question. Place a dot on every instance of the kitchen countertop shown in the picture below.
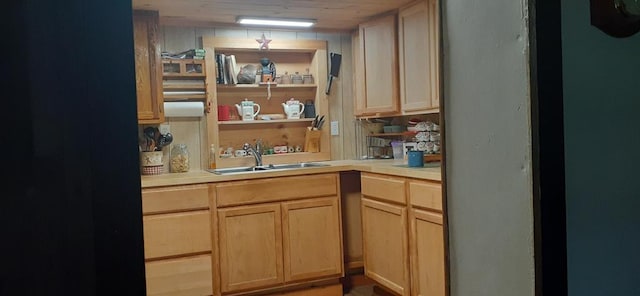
(430, 171)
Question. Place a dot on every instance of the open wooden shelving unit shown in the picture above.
(289, 56)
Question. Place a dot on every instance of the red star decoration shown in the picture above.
(264, 42)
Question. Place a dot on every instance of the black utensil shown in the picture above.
(150, 132)
(320, 122)
(156, 134)
(336, 60)
(164, 141)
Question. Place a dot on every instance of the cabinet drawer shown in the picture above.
(175, 199)
(168, 235)
(275, 189)
(384, 187)
(426, 195)
(181, 276)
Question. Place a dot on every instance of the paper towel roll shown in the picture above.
(183, 109)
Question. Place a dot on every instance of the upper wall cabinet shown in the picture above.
(148, 67)
(398, 76)
(377, 68)
(418, 32)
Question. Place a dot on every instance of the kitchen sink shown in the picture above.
(266, 168)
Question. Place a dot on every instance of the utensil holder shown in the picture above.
(312, 141)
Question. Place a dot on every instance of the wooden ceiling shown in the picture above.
(330, 14)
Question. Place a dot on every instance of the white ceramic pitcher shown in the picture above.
(293, 108)
(248, 110)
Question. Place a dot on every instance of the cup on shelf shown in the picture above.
(224, 113)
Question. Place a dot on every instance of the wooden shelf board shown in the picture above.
(172, 75)
(242, 86)
(185, 86)
(184, 97)
(237, 122)
(386, 134)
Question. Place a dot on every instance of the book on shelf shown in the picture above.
(227, 69)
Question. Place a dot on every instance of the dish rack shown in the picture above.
(378, 147)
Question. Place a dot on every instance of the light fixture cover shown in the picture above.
(279, 22)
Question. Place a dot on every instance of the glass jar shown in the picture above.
(179, 159)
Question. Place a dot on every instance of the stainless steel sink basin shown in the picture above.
(267, 168)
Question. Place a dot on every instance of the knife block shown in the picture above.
(312, 141)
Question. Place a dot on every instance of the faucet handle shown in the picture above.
(246, 146)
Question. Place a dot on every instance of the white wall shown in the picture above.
(487, 110)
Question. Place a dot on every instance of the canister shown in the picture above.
(416, 158)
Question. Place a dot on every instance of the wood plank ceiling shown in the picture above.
(337, 15)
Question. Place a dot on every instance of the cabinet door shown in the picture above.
(250, 247)
(427, 253)
(378, 66)
(312, 239)
(384, 231)
(148, 67)
(180, 276)
(418, 53)
(169, 235)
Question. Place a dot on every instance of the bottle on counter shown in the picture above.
(212, 157)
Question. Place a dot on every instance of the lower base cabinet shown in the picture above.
(280, 236)
(177, 240)
(250, 247)
(403, 234)
(384, 228)
(427, 253)
(180, 277)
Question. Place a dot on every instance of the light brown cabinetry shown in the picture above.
(288, 56)
(426, 241)
(377, 67)
(177, 240)
(148, 67)
(277, 232)
(312, 239)
(418, 32)
(397, 62)
(184, 79)
(384, 231)
(250, 242)
(403, 234)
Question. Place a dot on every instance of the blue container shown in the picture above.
(416, 159)
(309, 109)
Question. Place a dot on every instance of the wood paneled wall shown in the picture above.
(180, 38)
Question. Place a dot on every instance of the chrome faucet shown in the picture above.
(257, 152)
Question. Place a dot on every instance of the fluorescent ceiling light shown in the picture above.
(305, 23)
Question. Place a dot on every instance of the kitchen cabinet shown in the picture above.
(250, 247)
(426, 239)
(377, 67)
(277, 232)
(312, 239)
(397, 63)
(419, 35)
(184, 79)
(403, 234)
(384, 231)
(289, 56)
(177, 240)
(148, 67)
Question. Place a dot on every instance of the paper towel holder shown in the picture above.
(184, 109)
